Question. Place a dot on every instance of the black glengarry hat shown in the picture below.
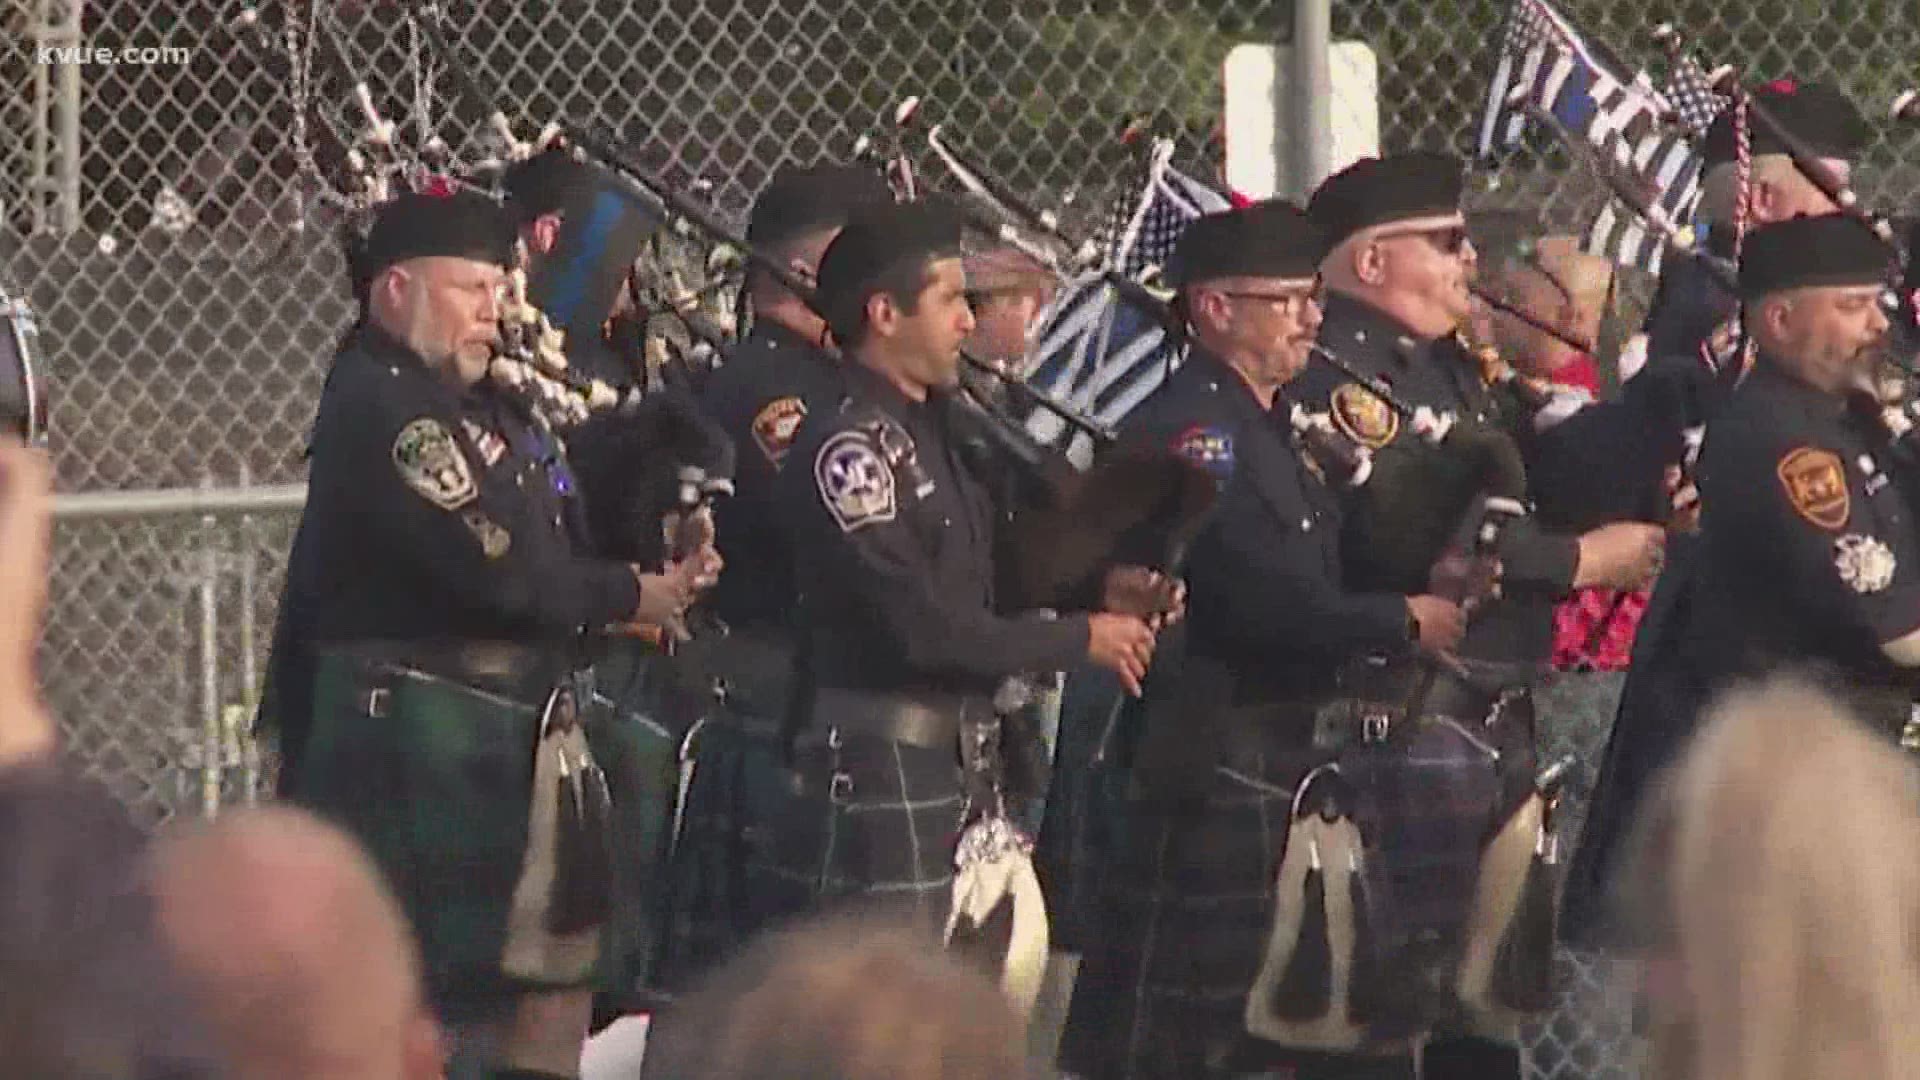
(1271, 239)
(1382, 191)
(1829, 250)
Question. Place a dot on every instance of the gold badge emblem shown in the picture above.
(776, 425)
(1816, 485)
(1363, 417)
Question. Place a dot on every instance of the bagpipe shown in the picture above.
(646, 459)
(1069, 521)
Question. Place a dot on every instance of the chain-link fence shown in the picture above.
(188, 307)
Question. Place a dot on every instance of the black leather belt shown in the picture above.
(515, 670)
(928, 720)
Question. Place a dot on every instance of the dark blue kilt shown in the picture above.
(739, 781)
(868, 821)
(1084, 809)
(1183, 919)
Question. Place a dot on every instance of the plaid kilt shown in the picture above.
(737, 776)
(1184, 915)
(1083, 809)
(437, 788)
(739, 779)
(639, 752)
(866, 819)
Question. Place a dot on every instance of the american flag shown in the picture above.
(1566, 74)
(1674, 163)
(1095, 351)
(1692, 97)
(1584, 87)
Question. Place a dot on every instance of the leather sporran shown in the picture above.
(563, 898)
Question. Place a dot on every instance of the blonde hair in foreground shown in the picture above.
(1791, 850)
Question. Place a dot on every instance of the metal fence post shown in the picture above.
(212, 750)
(1311, 133)
(249, 663)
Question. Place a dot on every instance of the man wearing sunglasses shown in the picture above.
(1398, 275)
(1223, 740)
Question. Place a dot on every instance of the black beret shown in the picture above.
(464, 224)
(1379, 191)
(544, 183)
(1271, 239)
(1816, 114)
(801, 200)
(879, 239)
(1807, 252)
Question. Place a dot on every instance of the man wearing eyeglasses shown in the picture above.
(1398, 276)
(1223, 740)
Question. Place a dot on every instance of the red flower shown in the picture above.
(1239, 201)
(1781, 86)
(437, 186)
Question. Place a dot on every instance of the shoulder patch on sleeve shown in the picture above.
(856, 485)
(1208, 448)
(1816, 485)
(1362, 416)
(776, 425)
(1866, 565)
(431, 463)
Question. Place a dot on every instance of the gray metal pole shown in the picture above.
(1309, 91)
(70, 105)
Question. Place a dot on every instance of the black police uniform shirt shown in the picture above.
(1808, 548)
(1537, 566)
(433, 514)
(760, 397)
(1265, 597)
(893, 540)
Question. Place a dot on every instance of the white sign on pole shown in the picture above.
(1254, 77)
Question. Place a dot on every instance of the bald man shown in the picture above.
(294, 948)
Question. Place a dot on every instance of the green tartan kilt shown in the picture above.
(436, 782)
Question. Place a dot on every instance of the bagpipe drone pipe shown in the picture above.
(643, 455)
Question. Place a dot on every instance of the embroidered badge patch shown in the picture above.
(776, 425)
(494, 539)
(1866, 564)
(854, 483)
(431, 463)
(1816, 485)
(1209, 448)
(1363, 417)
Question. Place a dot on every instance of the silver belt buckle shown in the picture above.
(1374, 727)
(1910, 734)
(377, 701)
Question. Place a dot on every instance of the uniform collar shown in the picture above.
(1350, 322)
(1770, 375)
(778, 335)
(385, 347)
(1220, 377)
(872, 387)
